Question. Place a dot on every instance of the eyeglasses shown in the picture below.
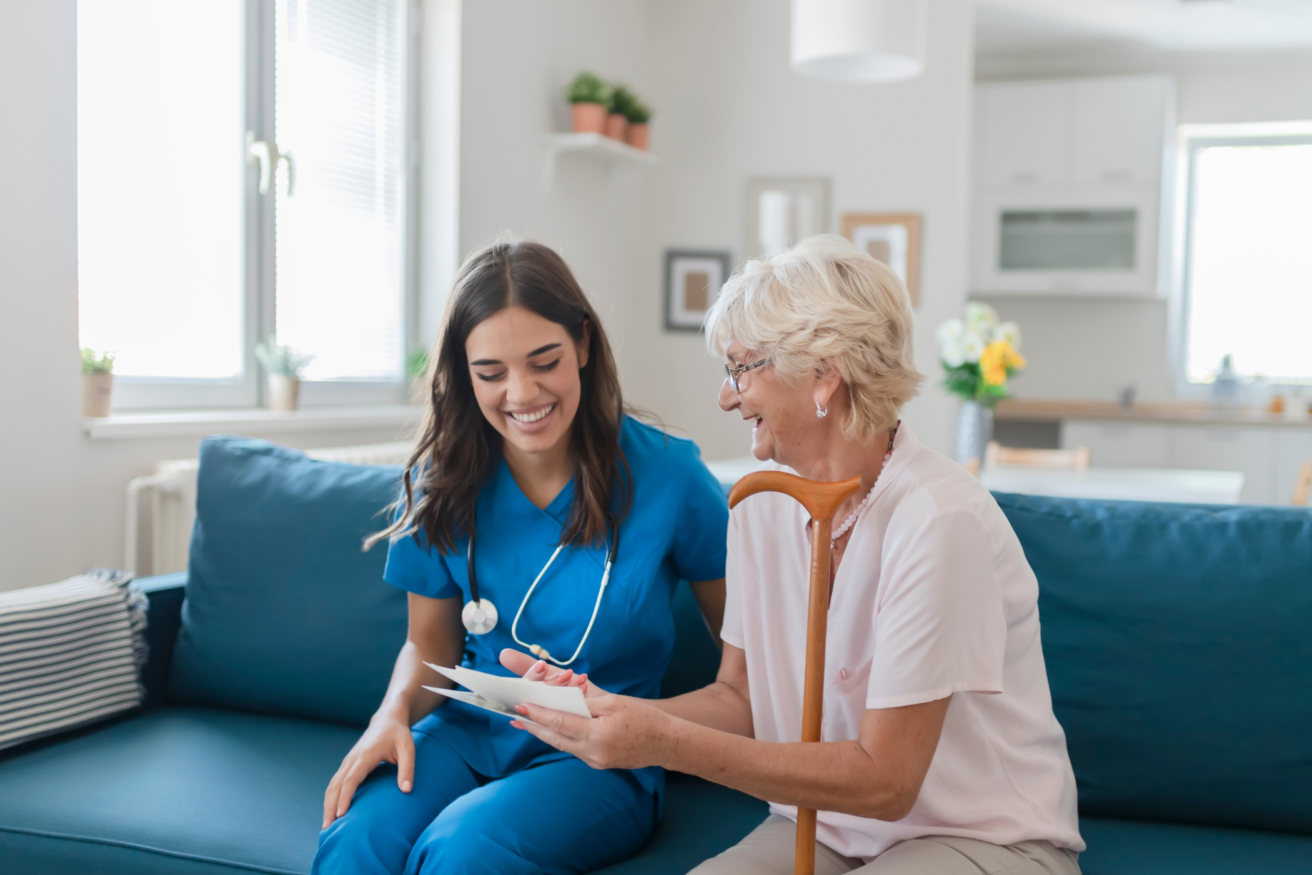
(736, 371)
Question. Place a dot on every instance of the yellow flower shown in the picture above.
(997, 358)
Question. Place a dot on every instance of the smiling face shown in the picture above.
(525, 373)
(782, 412)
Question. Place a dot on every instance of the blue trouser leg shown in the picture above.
(376, 835)
(560, 817)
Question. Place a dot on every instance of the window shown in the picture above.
(1247, 281)
(243, 171)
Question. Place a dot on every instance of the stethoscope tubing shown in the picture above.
(536, 649)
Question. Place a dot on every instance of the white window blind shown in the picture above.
(340, 229)
(1249, 260)
(160, 170)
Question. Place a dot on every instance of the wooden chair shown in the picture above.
(1302, 485)
(1073, 460)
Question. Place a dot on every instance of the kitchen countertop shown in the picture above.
(1025, 410)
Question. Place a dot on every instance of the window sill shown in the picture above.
(199, 423)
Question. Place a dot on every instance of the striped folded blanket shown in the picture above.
(70, 654)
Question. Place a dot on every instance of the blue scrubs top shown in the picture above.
(675, 530)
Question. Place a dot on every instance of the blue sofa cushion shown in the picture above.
(1178, 641)
(1136, 847)
(176, 790)
(284, 612)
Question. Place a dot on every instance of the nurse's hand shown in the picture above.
(386, 740)
(624, 733)
(532, 669)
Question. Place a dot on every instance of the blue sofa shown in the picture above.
(1178, 641)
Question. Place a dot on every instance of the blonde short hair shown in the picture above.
(824, 303)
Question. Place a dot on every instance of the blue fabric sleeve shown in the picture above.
(413, 567)
(700, 533)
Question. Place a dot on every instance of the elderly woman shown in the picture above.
(940, 751)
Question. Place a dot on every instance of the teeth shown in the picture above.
(532, 417)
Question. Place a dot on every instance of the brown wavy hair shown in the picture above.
(457, 447)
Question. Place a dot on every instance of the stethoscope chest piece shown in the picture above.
(479, 617)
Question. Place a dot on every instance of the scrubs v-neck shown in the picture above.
(675, 530)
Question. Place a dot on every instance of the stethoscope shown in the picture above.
(480, 615)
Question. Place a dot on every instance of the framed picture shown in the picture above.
(893, 238)
(781, 212)
(692, 283)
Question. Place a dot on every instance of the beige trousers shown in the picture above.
(768, 850)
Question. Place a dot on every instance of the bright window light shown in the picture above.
(340, 108)
(1249, 269)
(160, 173)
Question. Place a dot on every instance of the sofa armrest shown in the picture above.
(163, 620)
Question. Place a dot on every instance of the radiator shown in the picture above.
(161, 507)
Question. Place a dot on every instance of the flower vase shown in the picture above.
(974, 431)
(284, 393)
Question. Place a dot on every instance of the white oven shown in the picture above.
(1079, 241)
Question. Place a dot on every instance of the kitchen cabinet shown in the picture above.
(1119, 444)
(1267, 455)
(1120, 130)
(1293, 448)
(1025, 133)
(1072, 186)
(1230, 448)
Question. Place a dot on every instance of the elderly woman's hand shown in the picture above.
(624, 733)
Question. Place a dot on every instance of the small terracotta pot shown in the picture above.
(615, 126)
(637, 135)
(284, 393)
(97, 392)
(588, 118)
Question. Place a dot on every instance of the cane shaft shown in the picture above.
(817, 625)
(820, 499)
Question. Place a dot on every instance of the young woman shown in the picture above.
(538, 516)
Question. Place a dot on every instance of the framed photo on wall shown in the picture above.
(893, 238)
(780, 212)
(692, 283)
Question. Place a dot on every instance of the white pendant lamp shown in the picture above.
(859, 40)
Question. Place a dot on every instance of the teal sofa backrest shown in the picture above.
(286, 614)
(1178, 642)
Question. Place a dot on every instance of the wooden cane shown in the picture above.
(820, 500)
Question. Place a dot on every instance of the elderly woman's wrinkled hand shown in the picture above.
(624, 733)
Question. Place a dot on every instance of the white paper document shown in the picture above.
(500, 694)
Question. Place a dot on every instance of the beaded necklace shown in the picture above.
(852, 517)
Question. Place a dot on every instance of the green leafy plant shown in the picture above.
(637, 112)
(588, 88)
(621, 100)
(97, 362)
(416, 363)
(279, 360)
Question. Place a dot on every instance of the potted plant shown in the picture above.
(979, 355)
(621, 98)
(416, 368)
(639, 115)
(589, 98)
(284, 367)
(97, 382)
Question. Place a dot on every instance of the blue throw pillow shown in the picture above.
(1178, 641)
(284, 612)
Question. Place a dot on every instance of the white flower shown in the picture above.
(949, 341)
(972, 346)
(1008, 332)
(980, 316)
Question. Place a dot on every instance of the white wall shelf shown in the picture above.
(594, 146)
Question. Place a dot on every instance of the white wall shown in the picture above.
(1088, 349)
(728, 107)
(61, 495)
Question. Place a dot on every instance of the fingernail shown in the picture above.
(521, 709)
(405, 786)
